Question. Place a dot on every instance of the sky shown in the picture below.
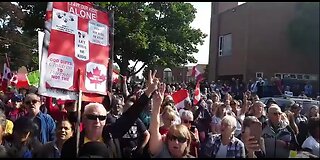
(202, 21)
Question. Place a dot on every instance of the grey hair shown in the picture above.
(187, 113)
(3, 120)
(93, 105)
(231, 120)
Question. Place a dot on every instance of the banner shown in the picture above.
(79, 39)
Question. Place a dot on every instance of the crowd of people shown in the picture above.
(142, 121)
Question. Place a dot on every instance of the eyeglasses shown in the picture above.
(94, 117)
(277, 113)
(186, 121)
(31, 102)
(180, 139)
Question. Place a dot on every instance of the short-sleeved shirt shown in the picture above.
(312, 144)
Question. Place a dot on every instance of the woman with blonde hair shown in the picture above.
(216, 118)
(168, 118)
(312, 112)
(178, 139)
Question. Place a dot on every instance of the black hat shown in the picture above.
(271, 100)
(94, 150)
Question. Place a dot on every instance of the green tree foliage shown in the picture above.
(19, 46)
(156, 33)
(303, 31)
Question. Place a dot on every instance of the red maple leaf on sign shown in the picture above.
(96, 77)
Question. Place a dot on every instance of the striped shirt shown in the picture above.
(235, 148)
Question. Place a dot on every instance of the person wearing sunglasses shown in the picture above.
(187, 120)
(45, 122)
(177, 141)
(277, 137)
(96, 129)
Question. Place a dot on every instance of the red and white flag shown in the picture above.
(115, 76)
(196, 95)
(179, 97)
(197, 74)
(20, 80)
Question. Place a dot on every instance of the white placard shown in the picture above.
(64, 21)
(59, 71)
(96, 79)
(98, 33)
(82, 46)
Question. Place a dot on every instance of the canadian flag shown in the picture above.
(115, 76)
(197, 74)
(197, 95)
(179, 97)
(20, 80)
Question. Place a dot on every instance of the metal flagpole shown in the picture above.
(78, 113)
(111, 41)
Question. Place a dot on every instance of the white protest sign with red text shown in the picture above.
(79, 39)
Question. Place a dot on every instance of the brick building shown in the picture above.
(250, 40)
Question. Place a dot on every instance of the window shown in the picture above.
(259, 74)
(285, 75)
(293, 76)
(279, 75)
(299, 76)
(225, 45)
(306, 77)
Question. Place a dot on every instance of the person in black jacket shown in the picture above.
(95, 116)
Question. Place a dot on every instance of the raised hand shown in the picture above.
(152, 83)
(159, 96)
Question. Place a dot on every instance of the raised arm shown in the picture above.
(125, 87)
(156, 144)
(130, 116)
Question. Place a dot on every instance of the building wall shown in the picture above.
(259, 42)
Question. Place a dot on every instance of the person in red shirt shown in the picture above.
(17, 110)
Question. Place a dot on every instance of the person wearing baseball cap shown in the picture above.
(301, 121)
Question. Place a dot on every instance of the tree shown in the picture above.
(155, 33)
(19, 46)
(303, 31)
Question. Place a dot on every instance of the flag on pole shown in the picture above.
(197, 74)
(6, 75)
(179, 97)
(115, 76)
(197, 95)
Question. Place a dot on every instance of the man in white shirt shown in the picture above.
(311, 144)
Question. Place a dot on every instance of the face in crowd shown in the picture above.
(178, 140)
(94, 118)
(32, 102)
(187, 118)
(258, 107)
(117, 106)
(228, 125)
(64, 130)
(274, 114)
(168, 116)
